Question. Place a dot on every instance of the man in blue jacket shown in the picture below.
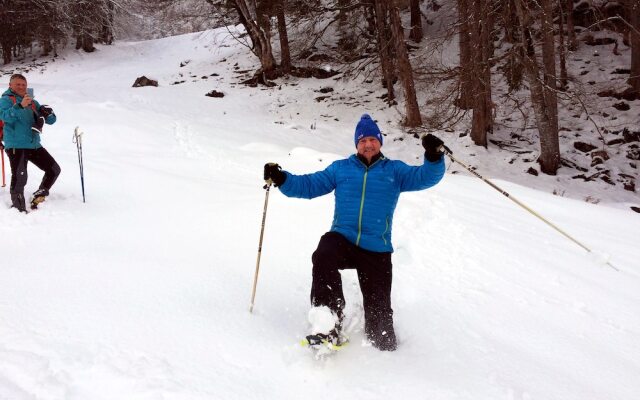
(23, 119)
(366, 187)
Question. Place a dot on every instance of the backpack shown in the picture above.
(13, 98)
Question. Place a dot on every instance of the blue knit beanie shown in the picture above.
(367, 127)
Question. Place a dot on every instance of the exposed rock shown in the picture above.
(144, 81)
(215, 93)
(532, 171)
(571, 164)
(606, 178)
(184, 63)
(629, 94)
(636, 209)
(599, 157)
(584, 147)
(630, 136)
(318, 73)
(326, 90)
(615, 141)
(633, 154)
(622, 106)
(621, 71)
(629, 182)
(591, 41)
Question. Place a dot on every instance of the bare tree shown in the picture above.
(285, 53)
(512, 68)
(561, 49)
(465, 101)
(549, 62)
(416, 21)
(405, 71)
(481, 51)
(256, 22)
(385, 48)
(634, 13)
(571, 33)
(545, 110)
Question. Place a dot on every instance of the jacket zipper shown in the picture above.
(364, 187)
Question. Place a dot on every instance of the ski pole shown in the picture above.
(264, 217)
(77, 139)
(3, 178)
(448, 152)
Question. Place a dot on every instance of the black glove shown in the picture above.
(38, 123)
(433, 147)
(273, 173)
(45, 110)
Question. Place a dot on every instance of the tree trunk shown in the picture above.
(106, 34)
(549, 61)
(416, 21)
(6, 53)
(285, 56)
(465, 100)
(571, 33)
(634, 36)
(549, 144)
(561, 50)
(260, 40)
(87, 43)
(384, 48)
(405, 71)
(46, 47)
(482, 24)
(513, 66)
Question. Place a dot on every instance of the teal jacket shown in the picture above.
(365, 196)
(18, 122)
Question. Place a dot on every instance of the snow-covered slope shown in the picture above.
(142, 292)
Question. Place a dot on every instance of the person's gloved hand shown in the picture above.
(45, 110)
(433, 147)
(273, 173)
(38, 123)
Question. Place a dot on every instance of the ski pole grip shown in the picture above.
(444, 149)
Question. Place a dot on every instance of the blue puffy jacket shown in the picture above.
(366, 197)
(18, 122)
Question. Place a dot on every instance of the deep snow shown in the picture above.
(143, 291)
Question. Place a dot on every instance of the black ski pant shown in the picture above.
(18, 159)
(334, 253)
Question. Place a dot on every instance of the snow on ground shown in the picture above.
(142, 292)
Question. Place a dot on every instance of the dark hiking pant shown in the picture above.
(334, 253)
(18, 159)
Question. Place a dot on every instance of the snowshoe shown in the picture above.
(38, 197)
(332, 341)
(327, 335)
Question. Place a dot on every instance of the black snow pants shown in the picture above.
(18, 159)
(334, 253)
